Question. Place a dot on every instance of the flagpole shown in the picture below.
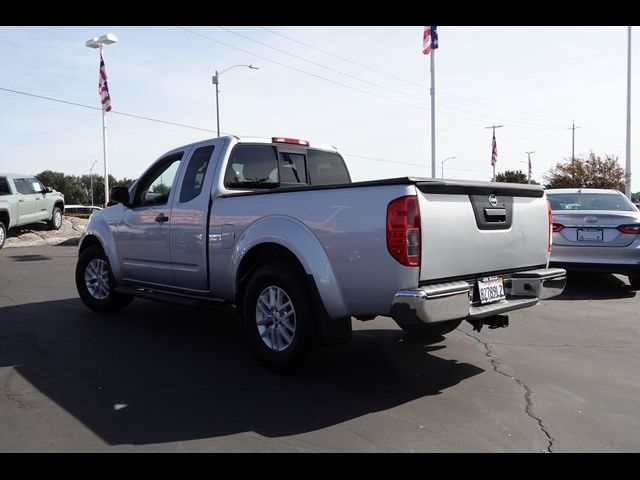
(433, 112)
(104, 148)
(627, 173)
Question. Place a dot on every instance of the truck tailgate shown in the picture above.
(475, 228)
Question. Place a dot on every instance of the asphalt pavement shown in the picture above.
(563, 377)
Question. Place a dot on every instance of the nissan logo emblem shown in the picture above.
(493, 201)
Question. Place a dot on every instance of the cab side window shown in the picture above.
(156, 187)
(22, 186)
(252, 167)
(194, 176)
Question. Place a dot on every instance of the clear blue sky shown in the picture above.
(534, 80)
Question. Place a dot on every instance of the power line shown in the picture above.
(300, 70)
(140, 117)
(344, 59)
(420, 85)
(318, 64)
(124, 114)
(524, 124)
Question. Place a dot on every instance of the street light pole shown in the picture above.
(627, 172)
(99, 43)
(216, 81)
(91, 179)
(442, 165)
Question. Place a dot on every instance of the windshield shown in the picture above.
(590, 201)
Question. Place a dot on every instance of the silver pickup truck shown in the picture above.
(277, 228)
(24, 200)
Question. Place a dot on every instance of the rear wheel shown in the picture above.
(634, 280)
(428, 331)
(56, 219)
(95, 282)
(3, 234)
(277, 316)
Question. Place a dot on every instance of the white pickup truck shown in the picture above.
(25, 200)
(276, 228)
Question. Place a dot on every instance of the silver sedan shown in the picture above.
(595, 230)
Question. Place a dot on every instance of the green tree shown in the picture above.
(512, 176)
(69, 185)
(591, 172)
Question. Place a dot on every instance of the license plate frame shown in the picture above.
(491, 289)
(593, 235)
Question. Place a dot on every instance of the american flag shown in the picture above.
(103, 87)
(494, 151)
(429, 39)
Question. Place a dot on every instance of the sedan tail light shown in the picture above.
(557, 227)
(630, 229)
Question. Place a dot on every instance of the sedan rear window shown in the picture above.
(590, 201)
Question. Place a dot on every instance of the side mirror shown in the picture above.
(120, 195)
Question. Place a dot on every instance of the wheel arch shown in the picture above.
(287, 238)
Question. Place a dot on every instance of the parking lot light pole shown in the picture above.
(99, 43)
(91, 179)
(216, 81)
(442, 165)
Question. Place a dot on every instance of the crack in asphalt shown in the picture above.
(495, 365)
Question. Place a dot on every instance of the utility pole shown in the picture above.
(573, 147)
(627, 173)
(529, 162)
(494, 150)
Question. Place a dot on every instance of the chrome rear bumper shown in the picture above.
(453, 300)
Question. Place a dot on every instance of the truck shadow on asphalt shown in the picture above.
(595, 286)
(163, 373)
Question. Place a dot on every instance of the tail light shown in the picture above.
(630, 229)
(403, 230)
(552, 227)
(557, 227)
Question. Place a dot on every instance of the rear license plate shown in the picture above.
(589, 234)
(491, 289)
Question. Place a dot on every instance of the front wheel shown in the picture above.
(56, 219)
(277, 316)
(95, 282)
(428, 331)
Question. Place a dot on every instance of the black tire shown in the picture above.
(113, 301)
(56, 219)
(425, 331)
(3, 234)
(634, 281)
(286, 277)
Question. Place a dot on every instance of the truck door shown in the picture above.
(143, 239)
(27, 203)
(42, 210)
(189, 217)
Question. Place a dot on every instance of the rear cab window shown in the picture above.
(266, 166)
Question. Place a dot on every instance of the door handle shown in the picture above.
(161, 218)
